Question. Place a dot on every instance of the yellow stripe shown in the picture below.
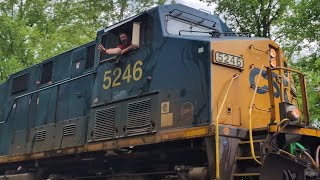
(197, 132)
(162, 136)
(297, 130)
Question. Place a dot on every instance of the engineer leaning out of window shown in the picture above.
(124, 47)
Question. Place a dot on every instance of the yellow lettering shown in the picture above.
(106, 80)
(137, 71)
(117, 73)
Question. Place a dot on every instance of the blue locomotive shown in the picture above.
(157, 111)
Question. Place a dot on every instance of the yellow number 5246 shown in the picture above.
(118, 77)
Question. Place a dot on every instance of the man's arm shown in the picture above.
(113, 51)
(131, 47)
(109, 51)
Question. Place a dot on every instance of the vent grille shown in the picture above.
(69, 129)
(90, 56)
(41, 135)
(46, 74)
(20, 83)
(138, 118)
(104, 124)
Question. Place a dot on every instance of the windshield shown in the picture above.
(178, 26)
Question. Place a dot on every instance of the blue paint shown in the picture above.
(264, 89)
(286, 84)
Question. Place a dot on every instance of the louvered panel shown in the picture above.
(69, 129)
(138, 117)
(41, 135)
(104, 124)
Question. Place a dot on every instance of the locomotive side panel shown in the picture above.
(246, 58)
(182, 74)
(172, 72)
(48, 104)
(4, 127)
(61, 67)
(21, 86)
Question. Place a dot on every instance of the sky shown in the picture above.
(197, 5)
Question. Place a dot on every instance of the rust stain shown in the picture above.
(226, 131)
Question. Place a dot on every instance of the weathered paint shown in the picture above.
(242, 90)
(297, 130)
(163, 136)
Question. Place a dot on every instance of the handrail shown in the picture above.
(250, 117)
(303, 91)
(304, 99)
(5, 120)
(288, 69)
(110, 59)
(217, 128)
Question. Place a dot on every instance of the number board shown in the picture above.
(229, 60)
(118, 76)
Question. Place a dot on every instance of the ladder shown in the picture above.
(246, 167)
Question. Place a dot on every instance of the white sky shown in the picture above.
(197, 5)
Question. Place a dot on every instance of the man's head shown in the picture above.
(124, 38)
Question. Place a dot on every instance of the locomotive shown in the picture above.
(195, 100)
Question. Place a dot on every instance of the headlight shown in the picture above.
(293, 113)
(273, 57)
(289, 111)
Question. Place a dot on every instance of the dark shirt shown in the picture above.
(121, 46)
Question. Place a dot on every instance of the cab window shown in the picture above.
(109, 40)
(177, 26)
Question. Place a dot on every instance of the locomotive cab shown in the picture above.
(187, 59)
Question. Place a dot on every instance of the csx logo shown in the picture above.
(264, 89)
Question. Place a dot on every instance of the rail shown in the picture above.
(302, 88)
(217, 128)
(250, 117)
(272, 103)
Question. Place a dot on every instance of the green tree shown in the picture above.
(255, 16)
(34, 30)
(311, 67)
(299, 30)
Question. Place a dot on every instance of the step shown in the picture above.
(246, 157)
(254, 141)
(246, 174)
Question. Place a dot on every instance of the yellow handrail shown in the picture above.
(217, 128)
(250, 117)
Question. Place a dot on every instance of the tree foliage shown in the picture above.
(311, 67)
(34, 30)
(300, 32)
(255, 16)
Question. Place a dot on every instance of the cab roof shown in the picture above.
(178, 10)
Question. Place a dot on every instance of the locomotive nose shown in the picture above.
(249, 58)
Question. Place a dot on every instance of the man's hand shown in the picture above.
(132, 47)
(102, 49)
(109, 51)
(129, 48)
